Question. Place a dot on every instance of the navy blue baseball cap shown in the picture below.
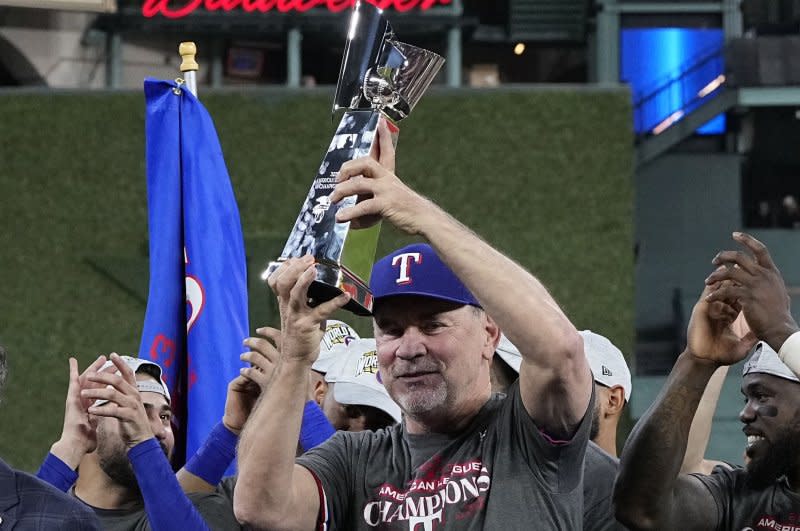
(417, 270)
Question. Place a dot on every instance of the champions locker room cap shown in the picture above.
(357, 379)
(766, 361)
(417, 270)
(338, 335)
(138, 365)
(606, 361)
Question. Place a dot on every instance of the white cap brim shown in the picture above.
(509, 353)
(361, 395)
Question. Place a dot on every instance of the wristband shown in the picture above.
(57, 473)
(214, 456)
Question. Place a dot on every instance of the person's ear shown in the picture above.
(492, 335)
(616, 400)
(320, 390)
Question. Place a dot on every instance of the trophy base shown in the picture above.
(333, 280)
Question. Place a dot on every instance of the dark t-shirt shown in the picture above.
(500, 473)
(740, 507)
(599, 474)
(225, 488)
(215, 509)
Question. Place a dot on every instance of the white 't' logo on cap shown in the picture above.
(405, 266)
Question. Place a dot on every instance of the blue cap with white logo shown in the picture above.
(417, 270)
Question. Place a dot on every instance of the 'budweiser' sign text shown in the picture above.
(182, 8)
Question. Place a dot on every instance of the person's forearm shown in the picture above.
(70, 453)
(267, 448)
(491, 276)
(555, 379)
(653, 454)
(166, 505)
(700, 431)
(57, 472)
(777, 335)
(204, 470)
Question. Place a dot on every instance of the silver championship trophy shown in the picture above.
(379, 77)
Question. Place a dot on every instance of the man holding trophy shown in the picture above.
(462, 458)
(381, 79)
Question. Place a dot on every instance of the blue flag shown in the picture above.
(197, 306)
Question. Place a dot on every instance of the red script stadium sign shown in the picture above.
(182, 8)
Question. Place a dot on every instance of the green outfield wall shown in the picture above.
(543, 174)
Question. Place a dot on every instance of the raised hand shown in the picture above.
(239, 402)
(124, 402)
(381, 194)
(78, 435)
(754, 281)
(714, 332)
(244, 390)
(263, 355)
(302, 326)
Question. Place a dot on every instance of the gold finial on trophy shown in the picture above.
(188, 51)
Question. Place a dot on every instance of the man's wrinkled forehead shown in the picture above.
(411, 307)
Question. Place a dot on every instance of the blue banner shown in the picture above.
(196, 314)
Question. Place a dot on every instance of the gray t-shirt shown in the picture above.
(214, 508)
(501, 472)
(599, 474)
(741, 507)
(225, 488)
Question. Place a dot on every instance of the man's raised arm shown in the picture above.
(272, 492)
(650, 493)
(555, 379)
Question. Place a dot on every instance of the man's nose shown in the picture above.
(159, 430)
(747, 414)
(411, 344)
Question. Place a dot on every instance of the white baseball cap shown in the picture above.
(607, 362)
(138, 365)
(509, 353)
(765, 360)
(338, 335)
(357, 379)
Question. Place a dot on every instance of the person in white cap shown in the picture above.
(753, 279)
(613, 379)
(338, 335)
(610, 372)
(356, 399)
(114, 448)
(650, 492)
(612, 389)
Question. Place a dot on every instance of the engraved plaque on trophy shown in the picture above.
(379, 77)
